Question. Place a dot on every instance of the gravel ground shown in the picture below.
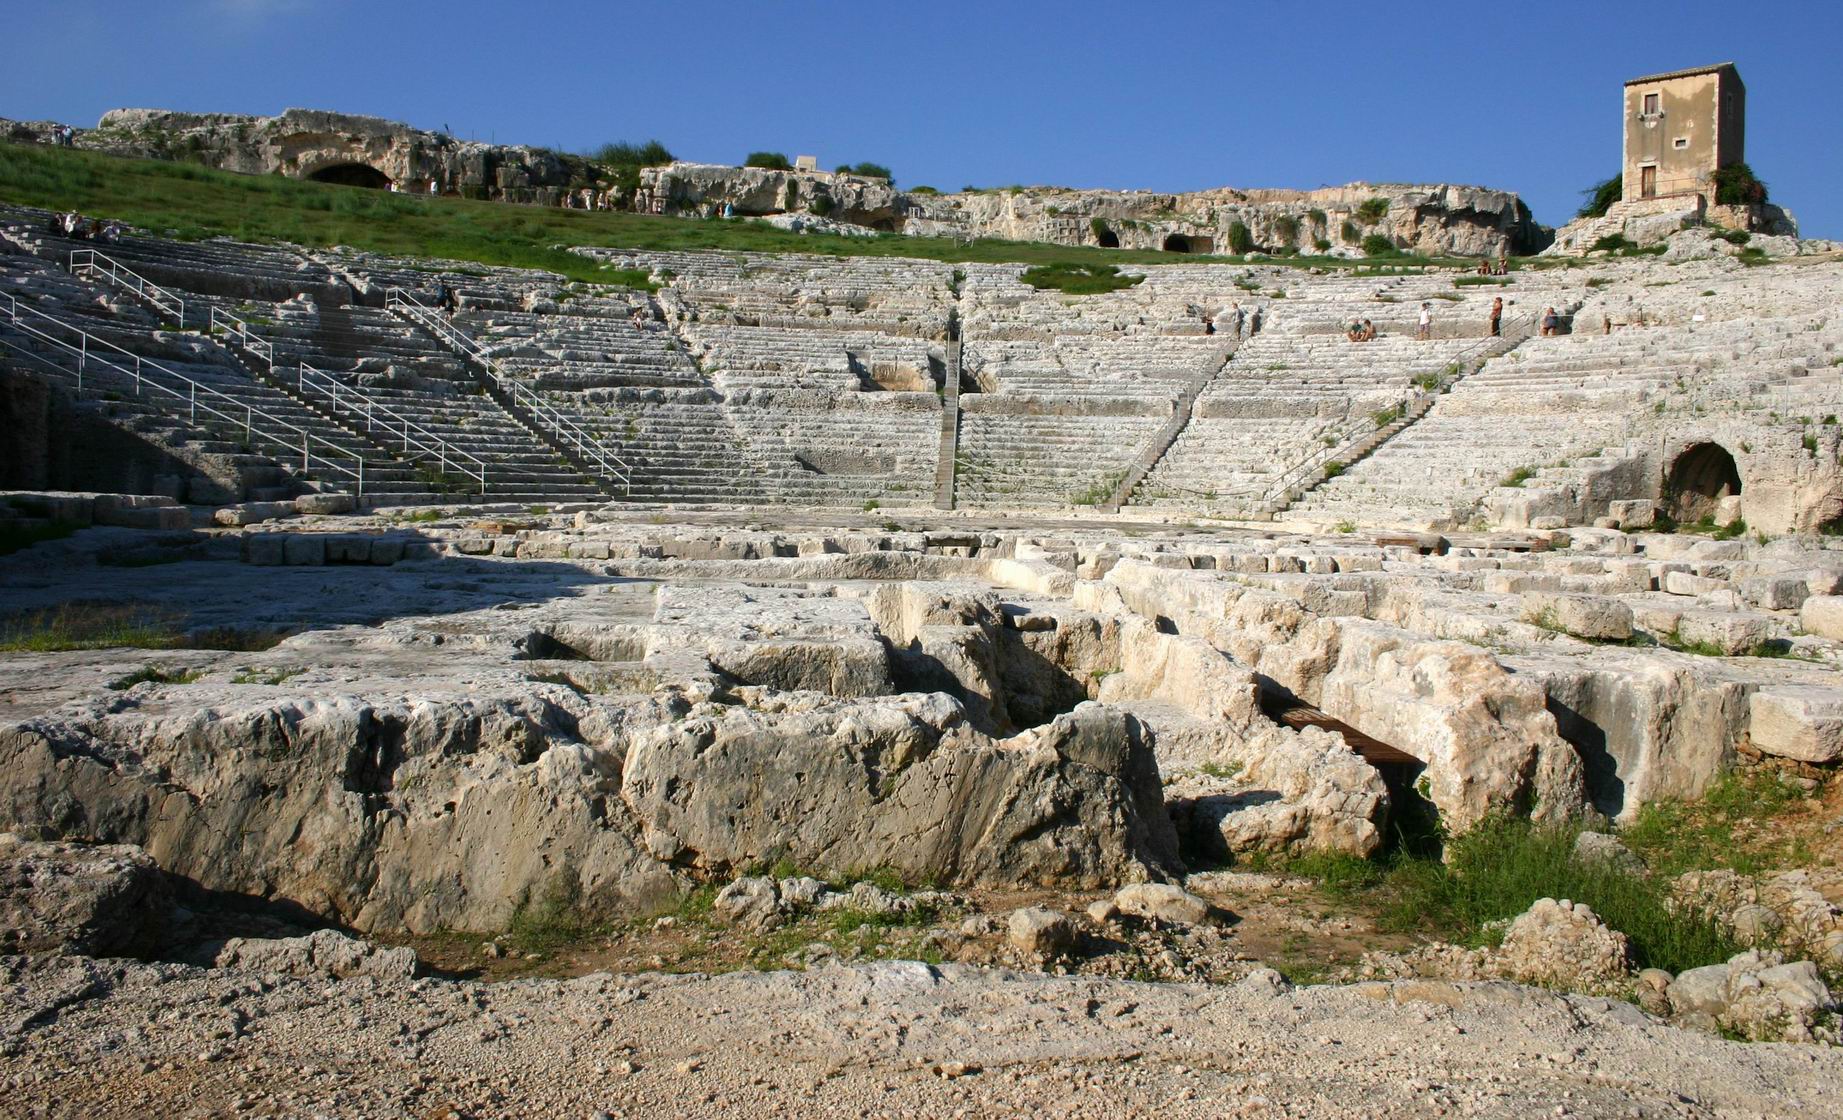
(85, 1038)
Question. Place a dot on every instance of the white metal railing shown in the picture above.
(234, 326)
(380, 420)
(90, 263)
(150, 377)
(561, 427)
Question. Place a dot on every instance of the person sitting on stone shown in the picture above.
(1354, 332)
(1369, 332)
(1551, 322)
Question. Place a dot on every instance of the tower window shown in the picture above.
(1680, 143)
(1651, 104)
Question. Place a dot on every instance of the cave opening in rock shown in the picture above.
(1177, 243)
(352, 175)
(1107, 239)
(1698, 479)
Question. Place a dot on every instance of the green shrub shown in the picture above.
(1734, 236)
(1349, 232)
(1372, 210)
(650, 154)
(1601, 196)
(1736, 185)
(1503, 865)
(155, 674)
(868, 170)
(1322, 245)
(772, 161)
(923, 190)
(1079, 279)
(1383, 417)
(1287, 228)
(1240, 240)
(1613, 243)
(1378, 245)
(1317, 217)
(821, 205)
(1332, 469)
(1515, 479)
(1098, 228)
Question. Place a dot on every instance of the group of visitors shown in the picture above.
(73, 225)
(1235, 321)
(1361, 330)
(1501, 268)
(64, 136)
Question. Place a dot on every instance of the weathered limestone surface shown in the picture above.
(97, 900)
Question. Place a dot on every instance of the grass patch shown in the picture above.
(1078, 279)
(1482, 282)
(89, 625)
(1496, 871)
(155, 674)
(192, 202)
(1515, 479)
(1719, 830)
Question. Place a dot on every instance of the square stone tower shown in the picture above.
(1680, 127)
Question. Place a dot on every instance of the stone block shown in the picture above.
(1823, 615)
(1717, 550)
(303, 549)
(1802, 722)
(385, 550)
(1824, 581)
(348, 548)
(1731, 633)
(506, 546)
(1636, 513)
(1684, 583)
(1728, 509)
(589, 550)
(1548, 521)
(252, 513)
(325, 503)
(1592, 617)
(264, 549)
(1774, 593)
(154, 513)
(76, 509)
(474, 546)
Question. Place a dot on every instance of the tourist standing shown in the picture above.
(1236, 319)
(1254, 321)
(1497, 315)
(1424, 330)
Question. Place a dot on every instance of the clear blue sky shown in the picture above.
(1167, 96)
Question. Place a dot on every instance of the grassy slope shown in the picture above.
(186, 201)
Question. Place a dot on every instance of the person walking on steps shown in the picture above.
(1254, 322)
(1424, 331)
(445, 298)
(1497, 315)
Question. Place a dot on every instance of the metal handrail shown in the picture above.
(565, 429)
(91, 262)
(144, 371)
(1355, 432)
(234, 325)
(375, 414)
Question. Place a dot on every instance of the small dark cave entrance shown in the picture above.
(1107, 239)
(1700, 477)
(1176, 243)
(352, 175)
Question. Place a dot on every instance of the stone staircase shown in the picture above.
(1161, 442)
(950, 429)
